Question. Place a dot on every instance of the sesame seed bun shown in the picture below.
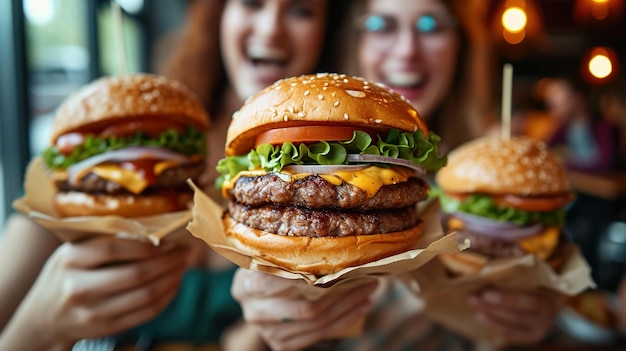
(520, 166)
(317, 100)
(128, 96)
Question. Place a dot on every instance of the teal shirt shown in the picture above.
(199, 314)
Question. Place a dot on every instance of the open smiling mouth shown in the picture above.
(265, 57)
(406, 80)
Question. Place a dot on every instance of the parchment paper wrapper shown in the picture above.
(207, 225)
(446, 297)
(37, 203)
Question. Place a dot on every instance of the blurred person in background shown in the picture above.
(54, 294)
(587, 138)
(434, 52)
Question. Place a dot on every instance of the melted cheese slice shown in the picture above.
(130, 180)
(370, 179)
(542, 245)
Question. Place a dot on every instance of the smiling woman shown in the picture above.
(260, 42)
(189, 285)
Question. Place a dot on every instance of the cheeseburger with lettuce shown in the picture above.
(507, 197)
(323, 172)
(125, 146)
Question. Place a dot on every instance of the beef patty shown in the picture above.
(302, 221)
(171, 178)
(315, 192)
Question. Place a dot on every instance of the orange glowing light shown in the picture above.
(600, 66)
(514, 19)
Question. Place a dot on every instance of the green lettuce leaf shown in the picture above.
(483, 205)
(415, 147)
(189, 142)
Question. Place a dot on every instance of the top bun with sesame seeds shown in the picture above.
(321, 99)
(323, 172)
(521, 166)
(507, 196)
(126, 145)
(127, 97)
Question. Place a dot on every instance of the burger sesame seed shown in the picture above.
(301, 114)
(366, 87)
(345, 116)
(325, 88)
(320, 97)
(326, 84)
(378, 120)
(336, 103)
(285, 118)
(293, 84)
(346, 80)
(355, 93)
(307, 92)
(290, 109)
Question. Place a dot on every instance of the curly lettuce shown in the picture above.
(191, 141)
(415, 147)
(484, 206)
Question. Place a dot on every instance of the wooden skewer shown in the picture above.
(507, 90)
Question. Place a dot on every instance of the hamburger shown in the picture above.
(125, 146)
(507, 197)
(323, 172)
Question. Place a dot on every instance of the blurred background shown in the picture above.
(49, 48)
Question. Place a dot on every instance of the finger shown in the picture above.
(513, 300)
(263, 310)
(138, 299)
(103, 250)
(281, 339)
(95, 284)
(510, 332)
(132, 319)
(249, 283)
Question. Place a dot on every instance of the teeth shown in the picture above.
(405, 79)
(266, 53)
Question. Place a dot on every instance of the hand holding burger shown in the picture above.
(507, 197)
(126, 146)
(323, 172)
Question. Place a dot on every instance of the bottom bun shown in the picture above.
(463, 263)
(76, 204)
(319, 256)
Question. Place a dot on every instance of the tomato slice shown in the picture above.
(525, 203)
(534, 203)
(149, 127)
(306, 134)
(66, 142)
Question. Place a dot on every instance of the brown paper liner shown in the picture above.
(446, 297)
(207, 225)
(37, 203)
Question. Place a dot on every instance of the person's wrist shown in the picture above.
(29, 336)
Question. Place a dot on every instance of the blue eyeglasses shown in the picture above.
(427, 23)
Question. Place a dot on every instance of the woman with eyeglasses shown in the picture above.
(435, 53)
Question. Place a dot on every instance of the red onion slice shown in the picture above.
(385, 159)
(497, 229)
(323, 169)
(125, 154)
